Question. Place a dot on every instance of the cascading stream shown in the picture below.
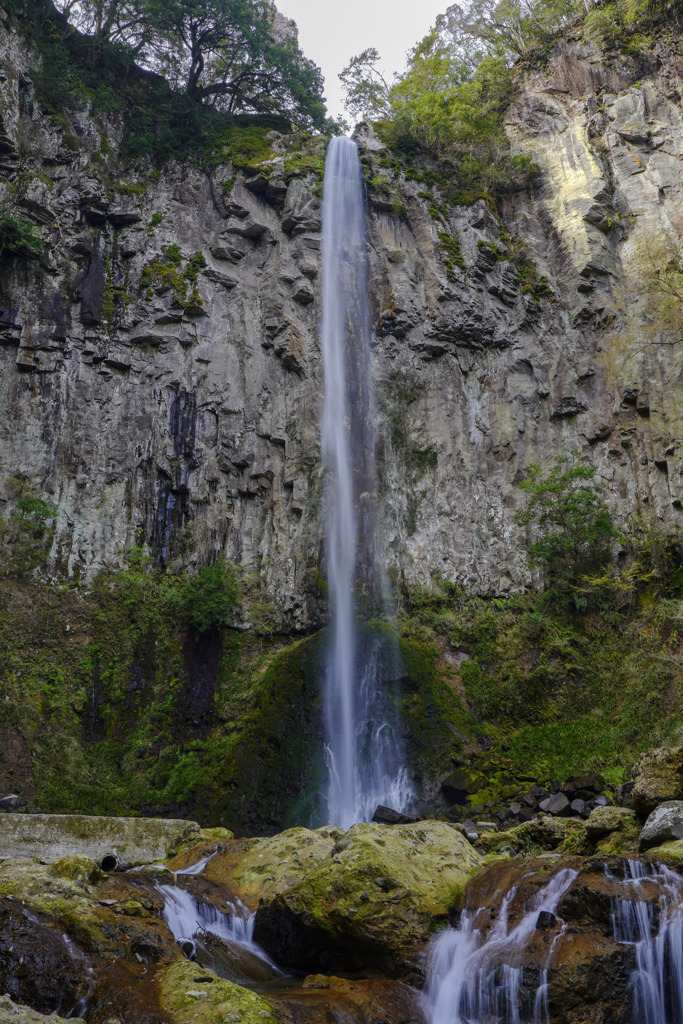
(363, 751)
(650, 918)
(476, 978)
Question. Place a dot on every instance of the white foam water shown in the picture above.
(649, 917)
(476, 978)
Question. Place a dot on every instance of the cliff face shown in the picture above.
(164, 397)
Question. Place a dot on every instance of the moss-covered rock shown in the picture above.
(658, 777)
(541, 834)
(108, 919)
(669, 853)
(614, 830)
(77, 869)
(13, 1013)
(376, 899)
(190, 993)
(257, 870)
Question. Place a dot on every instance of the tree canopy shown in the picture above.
(240, 56)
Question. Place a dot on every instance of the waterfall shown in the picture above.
(475, 978)
(363, 752)
(188, 919)
(650, 918)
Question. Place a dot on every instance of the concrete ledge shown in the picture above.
(111, 842)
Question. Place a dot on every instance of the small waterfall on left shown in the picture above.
(364, 752)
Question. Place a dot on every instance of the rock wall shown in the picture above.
(171, 401)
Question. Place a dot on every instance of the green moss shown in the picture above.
(451, 254)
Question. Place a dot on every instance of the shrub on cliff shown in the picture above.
(574, 528)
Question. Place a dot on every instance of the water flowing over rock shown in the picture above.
(364, 754)
(473, 977)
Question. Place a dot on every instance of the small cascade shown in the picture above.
(363, 750)
(192, 923)
(650, 918)
(477, 978)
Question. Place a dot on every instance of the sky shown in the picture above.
(333, 31)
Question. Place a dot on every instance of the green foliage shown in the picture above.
(26, 532)
(366, 93)
(234, 54)
(451, 253)
(208, 600)
(165, 271)
(573, 527)
(18, 237)
(554, 692)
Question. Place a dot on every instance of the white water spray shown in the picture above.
(649, 917)
(476, 979)
(364, 756)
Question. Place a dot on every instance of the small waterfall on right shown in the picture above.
(650, 918)
(477, 978)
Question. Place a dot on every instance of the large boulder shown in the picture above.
(375, 899)
(114, 843)
(541, 834)
(258, 869)
(658, 778)
(614, 830)
(190, 993)
(664, 825)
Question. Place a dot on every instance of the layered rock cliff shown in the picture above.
(161, 373)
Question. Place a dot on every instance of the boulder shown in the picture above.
(658, 778)
(388, 816)
(615, 830)
(114, 843)
(13, 1013)
(375, 899)
(557, 805)
(664, 825)
(12, 802)
(189, 992)
(541, 834)
(258, 869)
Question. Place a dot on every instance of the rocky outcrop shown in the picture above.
(378, 895)
(147, 391)
(114, 843)
(658, 778)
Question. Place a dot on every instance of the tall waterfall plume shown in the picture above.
(364, 753)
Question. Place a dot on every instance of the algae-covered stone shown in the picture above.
(375, 899)
(77, 869)
(190, 993)
(112, 842)
(257, 870)
(658, 777)
(604, 820)
(541, 834)
(670, 853)
(13, 1013)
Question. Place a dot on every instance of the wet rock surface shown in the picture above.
(377, 897)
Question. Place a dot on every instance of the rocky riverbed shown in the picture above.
(369, 925)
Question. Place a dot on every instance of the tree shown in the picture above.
(108, 20)
(237, 55)
(365, 89)
(574, 528)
